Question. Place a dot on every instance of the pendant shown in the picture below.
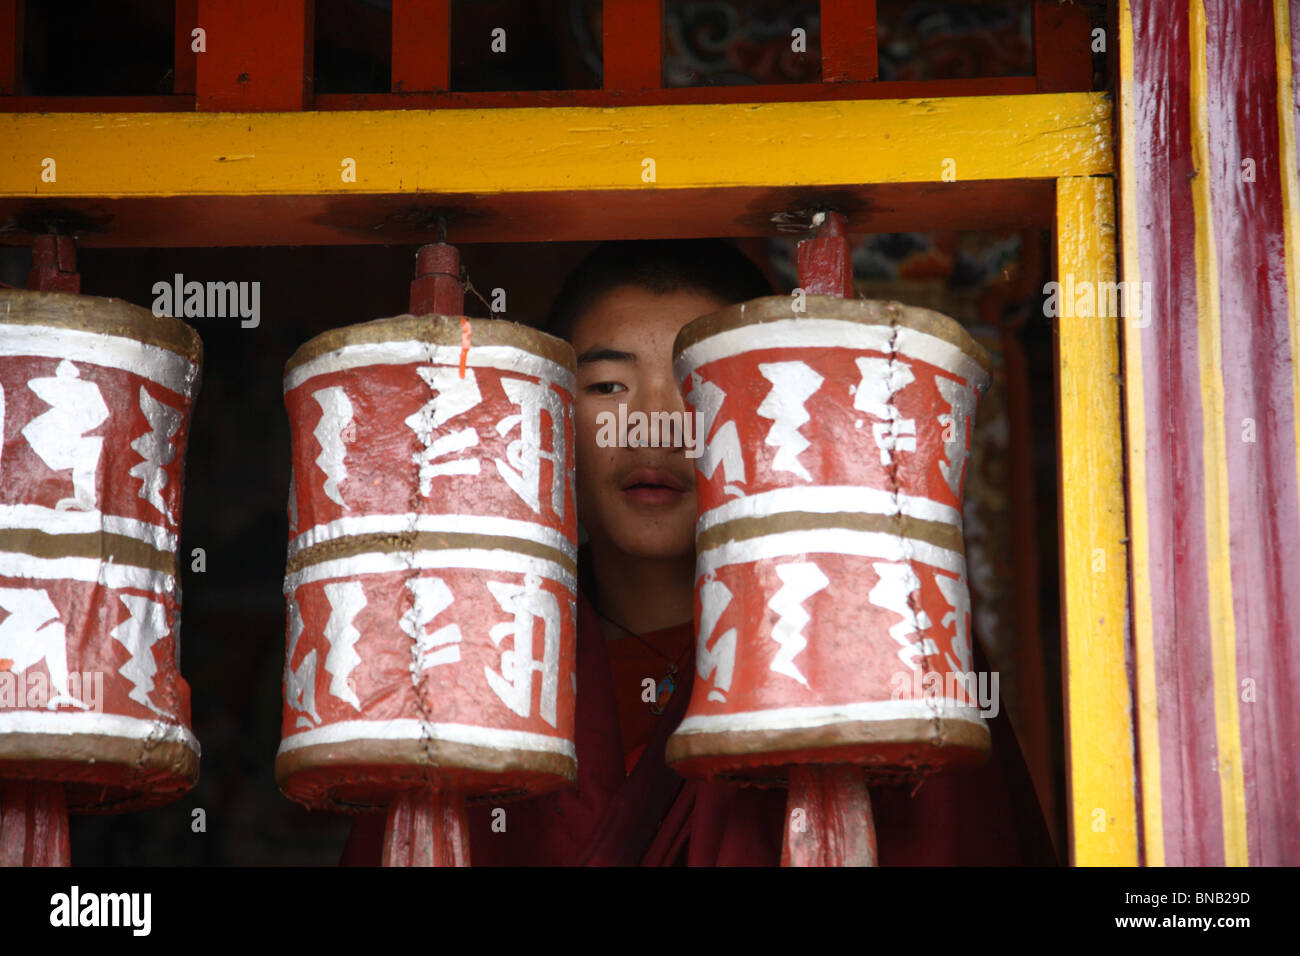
(663, 692)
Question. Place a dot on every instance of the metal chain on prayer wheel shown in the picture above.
(95, 400)
(431, 579)
(831, 598)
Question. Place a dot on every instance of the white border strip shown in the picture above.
(455, 524)
(53, 521)
(814, 333)
(14, 564)
(479, 559)
(829, 499)
(504, 357)
(347, 731)
(103, 725)
(157, 364)
(801, 718)
(867, 544)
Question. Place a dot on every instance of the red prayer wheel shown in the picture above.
(432, 561)
(831, 600)
(95, 399)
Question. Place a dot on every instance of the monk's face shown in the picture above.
(639, 500)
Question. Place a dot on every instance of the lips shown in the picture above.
(653, 478)
(653, 486)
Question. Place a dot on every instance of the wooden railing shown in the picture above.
(258, 57)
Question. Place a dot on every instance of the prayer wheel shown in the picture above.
(432, 561)
(831, 600)
(95, 399)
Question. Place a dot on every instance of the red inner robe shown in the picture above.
(652, 817)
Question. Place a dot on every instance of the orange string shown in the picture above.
(464, 344)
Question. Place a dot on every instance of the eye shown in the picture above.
(606, 388)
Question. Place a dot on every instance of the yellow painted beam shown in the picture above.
(1041, 136)
(1094, 568)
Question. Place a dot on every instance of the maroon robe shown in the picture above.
(652, 817)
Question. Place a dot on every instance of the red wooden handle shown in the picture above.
(427, 828)
(54, 265)
(33, 824)
(828, 819)
(436, 289)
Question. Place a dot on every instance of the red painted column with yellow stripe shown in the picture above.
(1208, 232)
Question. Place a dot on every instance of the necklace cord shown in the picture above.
(631, 633)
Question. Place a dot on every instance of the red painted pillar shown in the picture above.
(1219, 502)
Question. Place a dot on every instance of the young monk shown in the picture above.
(621, 309)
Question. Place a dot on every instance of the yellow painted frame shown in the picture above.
(1063, 137)
(559, 149)
(1100, 757)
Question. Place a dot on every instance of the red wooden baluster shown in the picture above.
(259, 56)
(849, 53)
(421, 46)
(429, 827)
(11, 47)
(633, 43)
(33, 813)
(184, 59)
(835, 825)
(1062, 47)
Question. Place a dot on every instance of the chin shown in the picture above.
(653, 551)
(651, 541)
(658, 537)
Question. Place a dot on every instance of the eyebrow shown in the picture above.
(600, 354)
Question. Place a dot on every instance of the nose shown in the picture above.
(661, 394)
